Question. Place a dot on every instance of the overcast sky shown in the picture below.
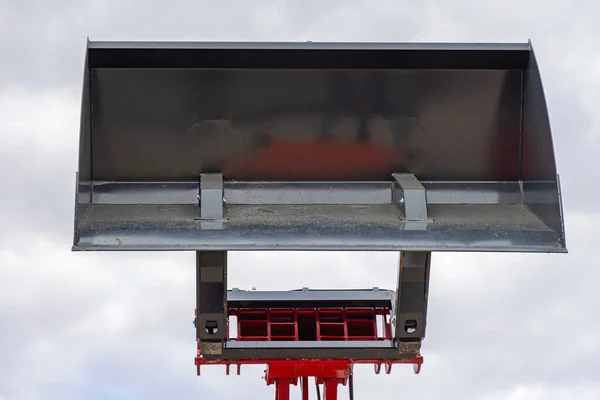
(119, 326)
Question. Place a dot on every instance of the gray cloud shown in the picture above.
(119, 325)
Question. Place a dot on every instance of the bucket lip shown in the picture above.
(308, 45)
(307, 55)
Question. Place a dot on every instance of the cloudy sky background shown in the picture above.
(118, 326)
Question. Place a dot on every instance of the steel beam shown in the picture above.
(211, 301)
(410, 312)
(331, 389)
(298, 353)
(310, 298)
(282, 389)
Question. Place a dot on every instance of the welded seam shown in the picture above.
(521, 124)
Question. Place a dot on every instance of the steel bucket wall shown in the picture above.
(307, 138)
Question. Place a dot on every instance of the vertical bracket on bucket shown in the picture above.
(211, 301)
(409, 195)
(411, 300)
(211, 196)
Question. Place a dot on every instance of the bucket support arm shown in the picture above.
(411, 300)
(329, 365)
(211, 301)
(409, 313)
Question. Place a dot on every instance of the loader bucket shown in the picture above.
(315, 146)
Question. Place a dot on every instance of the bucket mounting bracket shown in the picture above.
(210, 197)
(409, 196)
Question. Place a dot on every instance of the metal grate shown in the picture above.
(302, 324)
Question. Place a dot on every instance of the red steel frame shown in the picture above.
(321, 324)
(328, 372)
(298, 324)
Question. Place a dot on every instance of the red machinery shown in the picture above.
(405, 147)
(309, 320)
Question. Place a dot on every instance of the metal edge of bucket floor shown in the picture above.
(315, 146)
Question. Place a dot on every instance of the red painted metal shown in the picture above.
(341, 323)
(331, 387)
(304, 380)
(282, 389)
(327, 372)
(320, 369)
(310, 160)
(298, 324)
(387, 364)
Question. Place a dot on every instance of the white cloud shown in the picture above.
(46, 120)
(489, 313)
(542, 392)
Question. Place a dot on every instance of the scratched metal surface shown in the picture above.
(315, 227)
(161, 113)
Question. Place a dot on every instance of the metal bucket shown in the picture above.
(315, 146)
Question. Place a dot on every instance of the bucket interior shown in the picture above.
(307, 138)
